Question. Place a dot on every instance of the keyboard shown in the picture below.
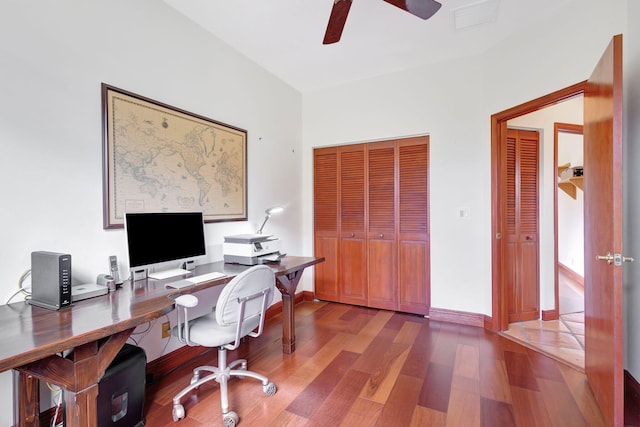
(184, 283)
(205, 277)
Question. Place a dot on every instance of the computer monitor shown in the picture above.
(159, 237)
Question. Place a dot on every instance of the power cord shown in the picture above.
(57, 391)
(21, 288)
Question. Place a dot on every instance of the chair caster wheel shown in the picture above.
(230, 419)
(269, 389)
(178, 412)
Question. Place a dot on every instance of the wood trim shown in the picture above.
(571, 274)
(498, 120)
(553, 314)
(455, 316)
(488, 323)
(164, 364)
(306, 296)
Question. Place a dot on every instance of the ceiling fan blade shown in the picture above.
(337, 20)
(424, 9)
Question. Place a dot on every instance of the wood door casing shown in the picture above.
(521, 230)
(604, 344)
(499, 303)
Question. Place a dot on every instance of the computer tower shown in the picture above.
(121, 389)
(50, 279)
(120, 398)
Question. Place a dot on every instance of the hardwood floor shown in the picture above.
(364, 367)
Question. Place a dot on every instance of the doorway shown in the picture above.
(603, 237)
(515, 117)
(561, 332)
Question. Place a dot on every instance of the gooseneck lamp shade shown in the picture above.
(268, 213)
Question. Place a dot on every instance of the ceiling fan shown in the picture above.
(424, 9)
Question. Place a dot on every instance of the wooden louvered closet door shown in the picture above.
(352, 278)
(413, 226)
(325, 222)
(522, 231)
(371, 219)
(381, 214)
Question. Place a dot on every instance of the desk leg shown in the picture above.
(29, 401)
(81, 408)
(287, 285)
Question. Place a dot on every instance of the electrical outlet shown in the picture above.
(166, 329)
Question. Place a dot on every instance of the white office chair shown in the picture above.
(239, 311)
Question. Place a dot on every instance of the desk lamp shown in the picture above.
(269, 212)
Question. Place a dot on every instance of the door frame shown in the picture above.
(499, 303)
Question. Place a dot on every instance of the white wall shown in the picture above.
(53, 58)
(453, 103)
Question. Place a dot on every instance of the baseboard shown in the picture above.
(459, 317)
(163, 365)
(488, 323)
(306, 296)
(571, 274)
(550, 315)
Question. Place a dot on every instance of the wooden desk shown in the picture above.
(33, 338)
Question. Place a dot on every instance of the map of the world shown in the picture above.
(166, 160)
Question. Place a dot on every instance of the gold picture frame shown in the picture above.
(158, 158)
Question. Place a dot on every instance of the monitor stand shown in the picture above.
(165, 274)
(138, 274)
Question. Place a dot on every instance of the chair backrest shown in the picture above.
(250, 282)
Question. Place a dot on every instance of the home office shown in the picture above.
(54, 60)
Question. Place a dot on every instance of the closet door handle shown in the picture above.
(381, 235)
(353, 234)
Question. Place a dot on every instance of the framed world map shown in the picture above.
(158, 158)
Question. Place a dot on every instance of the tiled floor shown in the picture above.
(560, 339)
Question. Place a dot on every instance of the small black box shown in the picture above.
(120, 398)
(121, 389)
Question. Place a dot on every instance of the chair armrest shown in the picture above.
(187, 300)
(184, 302)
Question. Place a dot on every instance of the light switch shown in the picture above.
(464, 213)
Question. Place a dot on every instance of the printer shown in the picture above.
(251, 249)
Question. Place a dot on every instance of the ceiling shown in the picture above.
(285, 36)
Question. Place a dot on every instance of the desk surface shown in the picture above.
(30, 333)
